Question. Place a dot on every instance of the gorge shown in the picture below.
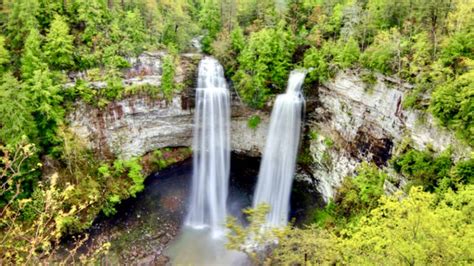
(252, 132)
(326, 113)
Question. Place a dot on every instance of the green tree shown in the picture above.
(135, 30)
(210, 20)
(16, 119)
(4, 55)
(264, 65)
(415, 229)
(334, 24)
(318, 63)
(433, 15)
(458, 48)
(347, 53)
(48, 9)
(46, 103)
(227, 49)
(385, 54)
(32, 58)
(453, 104)
(423, 168)
(237, 39)
(176, 26)
(167, 80)
(94, 14)
(387, 14)
(20, 21)
(59, 47)
(362, 192)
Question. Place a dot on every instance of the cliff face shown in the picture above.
(356, 122)
(348, 122)
(138, 124)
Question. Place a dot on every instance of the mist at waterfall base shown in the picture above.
(279, 157)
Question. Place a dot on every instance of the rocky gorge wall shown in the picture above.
(139, 124)
(354, 122)
(347, 122)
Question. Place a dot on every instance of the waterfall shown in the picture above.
(211, 149)
(279, 157)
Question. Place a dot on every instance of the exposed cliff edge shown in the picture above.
(347, 122)
(355, 122)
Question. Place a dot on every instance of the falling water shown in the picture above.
(211, 149)
(279, 158)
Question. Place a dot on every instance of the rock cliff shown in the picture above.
(347, 121)
(138, 124)
(353, 122)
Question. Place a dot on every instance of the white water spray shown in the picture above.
(279, 158)
(211, 144)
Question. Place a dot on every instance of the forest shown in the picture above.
(53, 185)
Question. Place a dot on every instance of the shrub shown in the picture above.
(32, 227)
(360, 193)
(453, 104)
(382, 55)
(253, 121)
(422, 168)
(167, 79)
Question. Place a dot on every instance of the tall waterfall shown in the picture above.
(211, 146)
(279, 158)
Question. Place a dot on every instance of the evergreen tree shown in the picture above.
(48, 9)
(210, 20)
(46, 103)
(237, 39)
(15, 119)
(264, 65)
(59, 44)
(319, 63)
(4, 55)
(32, 58)
(20, 21)
(135, 29)
(382, 54)
(94, 15)
(348, 53)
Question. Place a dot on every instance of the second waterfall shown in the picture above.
(279, 157)
(211, 146)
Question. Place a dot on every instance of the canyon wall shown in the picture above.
(138, 124)
(352, 122)
(347, 121)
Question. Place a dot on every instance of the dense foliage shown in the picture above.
(427, 43)
(365, 226)
(402, 230)
(52, 185)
